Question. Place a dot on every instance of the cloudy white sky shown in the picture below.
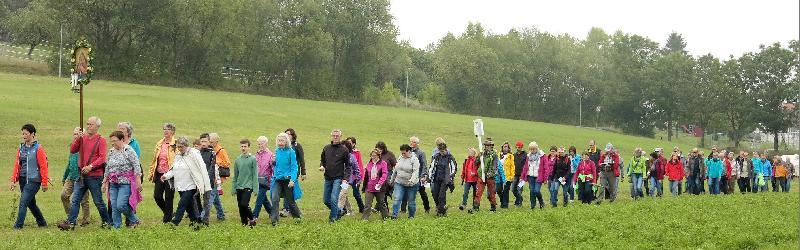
(721, 28)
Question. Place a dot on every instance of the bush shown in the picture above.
(432, 94)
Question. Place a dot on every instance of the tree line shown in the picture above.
(346, 50)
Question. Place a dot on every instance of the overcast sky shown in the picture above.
(721, 28)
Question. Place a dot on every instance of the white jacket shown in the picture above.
(197, 167)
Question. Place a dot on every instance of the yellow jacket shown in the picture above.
(509, 166)
(171, 150)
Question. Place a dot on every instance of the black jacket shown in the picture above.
(561, 167)
(520, 158)
(441, 167)
(336, 160)
(301, 159)
(210, 158)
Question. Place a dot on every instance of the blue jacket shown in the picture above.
(286, 167)
(714, 168)
(500, 173)
(766, 168)
(574, 164)
(756, 166)
(135, 145)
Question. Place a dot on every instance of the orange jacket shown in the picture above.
(41, 158)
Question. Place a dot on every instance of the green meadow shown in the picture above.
(768, 220)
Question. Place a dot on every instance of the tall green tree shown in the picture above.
(667, 78)
(773, 73)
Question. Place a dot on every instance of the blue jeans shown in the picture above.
(536, 192)
(554, 186)
(467, 186)
(656, 187)
(93, 185)
(28, 200)
(637, 185)
(120, 195)
(570, 186)
(357, 195)
(405, 193)
(215, 200)
(262, 201)
(673, 187)
(330, 196)
(713, 185)
(765, 187)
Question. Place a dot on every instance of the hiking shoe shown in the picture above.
(461, 207)
(65, 226)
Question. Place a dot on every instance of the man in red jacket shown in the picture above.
(92, 148)
(608, 171)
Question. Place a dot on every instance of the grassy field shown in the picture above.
(749, 221)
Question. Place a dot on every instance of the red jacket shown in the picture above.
(41, 158)
(469, 171)
(728, 167)
(99, 157)
(615, 166)
(675, 170)
(585, 167)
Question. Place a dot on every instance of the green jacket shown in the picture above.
(71, 172)
(245, 173)
(491, 160)
(639, 167)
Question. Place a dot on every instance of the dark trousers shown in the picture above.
(243, 201)
(439, 192)
(422, 194)
(186, 203)
(744, 184)
(585, 193)
(280, 190)
(164, 196)
(380, 203)
(517, 191)
(503, 192)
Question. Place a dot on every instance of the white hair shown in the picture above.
(213, 136)
(336, 130)
(262, 139)
(282, 136)
(97, 120)
(414, 139)
(533, 144)
(128, 126)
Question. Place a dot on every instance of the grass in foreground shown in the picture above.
(48, 103)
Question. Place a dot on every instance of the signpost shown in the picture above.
(478, 130)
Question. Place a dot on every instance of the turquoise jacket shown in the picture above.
(757, 166)
(574, 164)
(766, 168)
(714, 168)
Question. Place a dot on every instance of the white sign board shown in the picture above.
(478, 127)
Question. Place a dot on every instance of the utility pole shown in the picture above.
(60, 48)
(406, 87)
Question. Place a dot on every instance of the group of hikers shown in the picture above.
(197, 167)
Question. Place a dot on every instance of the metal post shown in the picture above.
(406, 87)
(60, 48)
(580, 109)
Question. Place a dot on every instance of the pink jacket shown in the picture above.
(545, 168)
(381, 176)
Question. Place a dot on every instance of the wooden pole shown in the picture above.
(80, 124)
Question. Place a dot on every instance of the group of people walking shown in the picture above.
(196, 168)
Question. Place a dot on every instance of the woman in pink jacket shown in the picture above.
(585, 179)
(375, 174)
